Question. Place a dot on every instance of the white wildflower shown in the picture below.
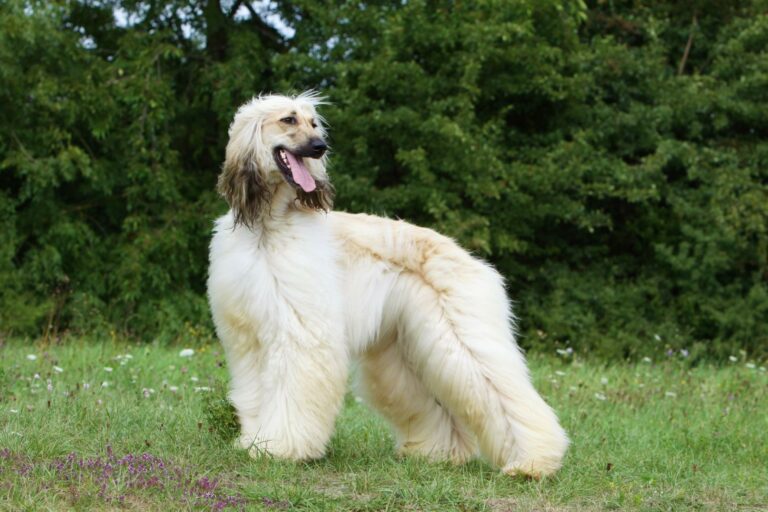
(31, 357)
(670, 394)
(559, 373)
(58, 369)
(13, 411)
(105, 384)
(202, 388)
(173, 389)
(647, 360)
(86, 385)
(600, 396)
(194, 379)
(187, 352)
(603, 380)
(36, 376)
(108, 369)
(751, 366)
(733, 359)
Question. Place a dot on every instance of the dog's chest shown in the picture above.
(286, 282)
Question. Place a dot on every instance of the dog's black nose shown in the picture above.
(318, 147)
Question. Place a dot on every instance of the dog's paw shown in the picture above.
(535, 470)
(258, 447)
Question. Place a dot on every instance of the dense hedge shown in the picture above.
(611, 158)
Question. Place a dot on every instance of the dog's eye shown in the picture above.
(289, 120)
(314, 124)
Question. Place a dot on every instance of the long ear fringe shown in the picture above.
(244, 190)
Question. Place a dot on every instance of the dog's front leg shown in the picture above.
(289, 391)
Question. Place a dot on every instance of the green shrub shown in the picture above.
(620, 187)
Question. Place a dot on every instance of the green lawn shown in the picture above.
(85, 427)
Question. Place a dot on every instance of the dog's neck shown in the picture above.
(282, 211)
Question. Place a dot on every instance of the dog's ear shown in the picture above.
(241, 182)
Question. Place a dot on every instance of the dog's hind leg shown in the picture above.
(422, 426)
(460, 343)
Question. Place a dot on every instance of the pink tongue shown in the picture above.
(300, 173)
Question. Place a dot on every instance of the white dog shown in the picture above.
(297, 292)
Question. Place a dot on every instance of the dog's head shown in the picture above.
(275, 141)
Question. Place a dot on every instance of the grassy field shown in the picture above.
(111, 426)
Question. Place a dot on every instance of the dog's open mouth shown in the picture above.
(293, 169)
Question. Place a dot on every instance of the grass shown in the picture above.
(646, 436)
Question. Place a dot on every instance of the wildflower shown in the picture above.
(58, 369)
(733, 359)
(36, 376)
(145, 392)
(657, 337)
(173, 389)
(647, 360)
(187, 352)
(600, 396)
(108, 369)
(684, 353)
(105, 384)
(604, 380)
(49, 386)
(573, 388)
(194, 379)
(559, 373)
(670, 394)
(31, 357)
(670, 352)
(13, 411)
(201, 388)
(762, 368)
(751, 366)
(86, 385)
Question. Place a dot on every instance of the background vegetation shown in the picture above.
(610, 157)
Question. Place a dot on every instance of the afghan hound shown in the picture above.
(298, 292)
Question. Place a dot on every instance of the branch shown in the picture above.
(234, 9)
(253, 12)
(687, 51)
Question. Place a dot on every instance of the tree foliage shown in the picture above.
(610, 158)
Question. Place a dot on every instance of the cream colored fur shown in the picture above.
(298, 293)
